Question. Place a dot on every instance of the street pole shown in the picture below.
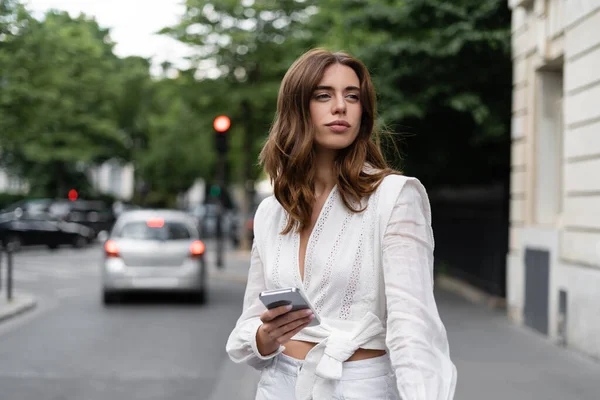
(1, 252)
(220, 209)
(221, 125)
(9, 272)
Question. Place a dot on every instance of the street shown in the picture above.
(71, 347)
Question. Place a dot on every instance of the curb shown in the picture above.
(23, 303)
(469, 292)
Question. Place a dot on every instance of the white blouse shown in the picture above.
(369, 276)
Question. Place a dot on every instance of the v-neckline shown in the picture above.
(301, 278)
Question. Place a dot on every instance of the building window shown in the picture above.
(549, 134)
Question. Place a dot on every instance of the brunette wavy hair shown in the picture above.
(288, 154)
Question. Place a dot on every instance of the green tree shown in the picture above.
(61, 89)
(178, 144)
(443, 74)
(248, 46)
(13, 19)
(134, 100)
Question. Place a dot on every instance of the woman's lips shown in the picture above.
(338, 128)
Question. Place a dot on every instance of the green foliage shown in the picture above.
(249, 46)
(67, 102)
(7, 199)
(58, 104)
(70, 88)
(443, 74)
(442, 71)
(179, 137)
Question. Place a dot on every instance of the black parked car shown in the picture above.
(96, 215)
(29, 223)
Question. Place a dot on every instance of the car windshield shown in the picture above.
(29, 206)
(59, 209)
(154, 230)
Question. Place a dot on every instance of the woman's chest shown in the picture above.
(337, 253)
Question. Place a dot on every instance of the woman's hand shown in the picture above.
(279, 326)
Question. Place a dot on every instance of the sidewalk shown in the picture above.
(495, 359)
(20, 303)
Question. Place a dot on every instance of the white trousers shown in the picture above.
(370, 379)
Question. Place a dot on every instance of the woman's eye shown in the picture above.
(322, 96)
(353, 97)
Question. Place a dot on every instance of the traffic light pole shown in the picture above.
(221, 125)
(220, 209)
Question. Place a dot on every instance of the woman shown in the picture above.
(355, 237)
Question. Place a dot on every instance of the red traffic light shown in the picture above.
(73, 194)
(222, 123)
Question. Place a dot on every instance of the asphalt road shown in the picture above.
(73, 347)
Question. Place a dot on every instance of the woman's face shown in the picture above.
(335, 108)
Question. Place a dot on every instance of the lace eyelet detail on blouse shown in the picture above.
(353, 280)
(345, 310)
(330, 261)
(314, 238)
(276, 268)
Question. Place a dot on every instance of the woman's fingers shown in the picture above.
(286, 318)
(290, 334)
(286, 325)
(270, 315)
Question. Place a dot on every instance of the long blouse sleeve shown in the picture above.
(241, 345)
(416, 336)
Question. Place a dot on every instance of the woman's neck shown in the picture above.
(325, 177)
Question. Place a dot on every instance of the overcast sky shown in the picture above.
(132, 23)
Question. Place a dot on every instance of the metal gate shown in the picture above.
(471, 235)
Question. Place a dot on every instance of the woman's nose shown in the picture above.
(339, 106)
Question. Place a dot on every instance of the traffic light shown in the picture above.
(215, 191)
(73, 195)
(221, 125)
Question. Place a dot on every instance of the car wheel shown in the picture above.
(53, 246)
(199, 296)
(79, 241)
(109, 298)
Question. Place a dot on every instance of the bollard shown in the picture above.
(9, 271)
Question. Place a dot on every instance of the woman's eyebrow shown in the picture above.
(347, 89)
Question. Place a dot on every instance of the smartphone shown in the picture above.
(286, 296)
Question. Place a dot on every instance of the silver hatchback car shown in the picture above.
(149, 250)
